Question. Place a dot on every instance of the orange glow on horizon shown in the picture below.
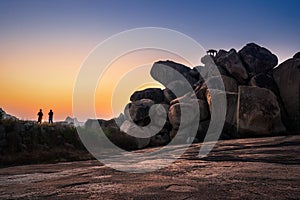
(129, 73)
(38, 79)
(38, 76)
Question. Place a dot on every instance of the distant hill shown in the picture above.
(4, 115)
(73, 121)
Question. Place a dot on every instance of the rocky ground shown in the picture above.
(260, 168)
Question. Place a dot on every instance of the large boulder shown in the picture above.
(168, 71)
(265, 80)
(232, 63)
(184, 113)
(287, 78)
(155, 94)
(257, 59)
(191, 99)
(138, 111)
(258, 112)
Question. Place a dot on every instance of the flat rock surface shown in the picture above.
(260, 168)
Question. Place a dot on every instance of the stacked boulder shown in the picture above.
(287, 79)
(261, 99)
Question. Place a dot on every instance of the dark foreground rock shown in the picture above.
(265, 168)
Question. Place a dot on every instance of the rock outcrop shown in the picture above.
(257, 98)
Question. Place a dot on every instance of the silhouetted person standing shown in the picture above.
(40, 114)
(50, 117)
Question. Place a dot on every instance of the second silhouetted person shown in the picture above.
(50, 117)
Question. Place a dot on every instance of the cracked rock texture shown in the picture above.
(260, 168)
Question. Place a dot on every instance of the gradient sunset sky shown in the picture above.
(44, 43)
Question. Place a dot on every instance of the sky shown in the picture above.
(44, 43)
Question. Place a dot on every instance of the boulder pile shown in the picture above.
(261, 99)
